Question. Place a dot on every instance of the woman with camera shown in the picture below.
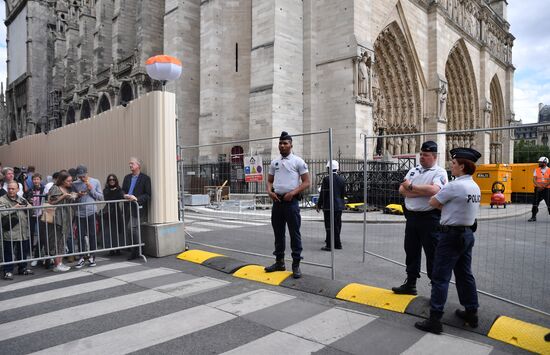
(15, 237)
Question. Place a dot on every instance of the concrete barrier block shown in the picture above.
(163, 239)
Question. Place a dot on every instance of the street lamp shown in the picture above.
(163, 68)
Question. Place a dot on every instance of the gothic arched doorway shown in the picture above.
(126, 93)
(86, 111)
(396, 92)
(70, 116)
(462, 102)
(104, 104)
(496, 120)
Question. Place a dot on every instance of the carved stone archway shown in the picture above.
(462, 99)
(396, 93)
(496, 120)
(126, 93)
(104, 104)
(70, 116)
(86, 111)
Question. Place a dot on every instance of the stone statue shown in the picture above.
(389, 146)
(442, 95)
(406, 143)
(412, 145)
(398, 146)
(364, 77)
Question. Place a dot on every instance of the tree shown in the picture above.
(529, 152)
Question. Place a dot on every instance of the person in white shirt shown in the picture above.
(288, 176)
(9, 175)
(421, 183)
(459, 204)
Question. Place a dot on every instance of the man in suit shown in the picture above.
(324, 204)
(136, 187)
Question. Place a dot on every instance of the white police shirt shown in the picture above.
(460, 199)
(418, 175)
(287, 171)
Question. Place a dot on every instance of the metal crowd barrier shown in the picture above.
(59, 232)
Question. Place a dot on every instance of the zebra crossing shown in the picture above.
(196, 223)
(124, 307)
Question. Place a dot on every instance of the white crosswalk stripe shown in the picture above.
(198, 219)
(198, 224)
(158, 330)
(63, 277)
(308, 331)
(94, 309)
(309, 335)
(69, 291)
(446, 344)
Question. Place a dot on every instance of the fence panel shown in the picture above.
(227, 205)
(42, 233)
(511, 256)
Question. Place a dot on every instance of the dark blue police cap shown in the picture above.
(429, 146)
(465, 153)
(285, 136)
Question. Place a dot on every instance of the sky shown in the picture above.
(530, 24)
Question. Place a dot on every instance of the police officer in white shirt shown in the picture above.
(421, 183)
(459, 204)
(288, 176)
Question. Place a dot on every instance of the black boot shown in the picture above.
(469, 317)
(432, 324)
(408, 288)
(296, 272)
(278, 266)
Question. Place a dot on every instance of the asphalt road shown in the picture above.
(511, 256)
(169, 306)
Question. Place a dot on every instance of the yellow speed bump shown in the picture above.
(197, 256)
(375, 297)
(524, 335)
(257, 273)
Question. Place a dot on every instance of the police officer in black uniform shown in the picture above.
(459, 203)
(288, 176)
(421, 183)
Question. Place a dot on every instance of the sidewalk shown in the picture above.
(309, 214)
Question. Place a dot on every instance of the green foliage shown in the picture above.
(528, 152)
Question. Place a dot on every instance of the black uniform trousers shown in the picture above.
(337, 228)
(541, 194)
(287, 213)
(420, 233)
(454, 253)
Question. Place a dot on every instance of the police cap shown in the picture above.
(285, 136)
(465, 153)
(429, 146)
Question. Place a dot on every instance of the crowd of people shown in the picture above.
(67, 216)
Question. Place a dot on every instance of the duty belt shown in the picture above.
(453, 228)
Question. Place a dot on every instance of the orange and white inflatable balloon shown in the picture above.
(163, 67)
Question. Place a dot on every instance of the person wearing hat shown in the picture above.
(338, 203)
(459, 204)
(287, 178)
(421, 183)
(88, 190)
(541, 180)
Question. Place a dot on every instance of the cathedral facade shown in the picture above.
(252, 68)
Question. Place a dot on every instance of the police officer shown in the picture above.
(338, 203)
(459, 204)
(421, 182)
(288, 176)
(541, 180)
